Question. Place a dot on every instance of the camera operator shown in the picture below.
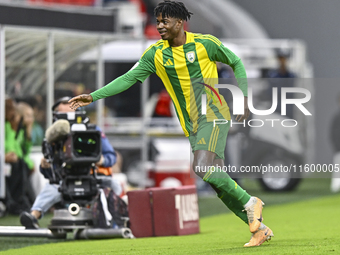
(50, 195)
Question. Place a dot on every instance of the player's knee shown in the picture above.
(199, 167)
(198, 171)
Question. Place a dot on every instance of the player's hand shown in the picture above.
(79, 101)
(246, 114)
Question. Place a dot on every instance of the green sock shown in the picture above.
(234, 205)
(228, 186)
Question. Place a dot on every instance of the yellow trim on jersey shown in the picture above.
(148, 49)
(190, 37)
(185, 82)
(166, 44)
(194, 110)
(160, 71)
(210, 75)
(208, 37)
(183, 74)
(214, 39)
(207, 68)
(225, 112)
(158, 43)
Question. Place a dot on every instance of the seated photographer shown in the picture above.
(50, 195)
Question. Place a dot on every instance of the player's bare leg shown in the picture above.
(202, 161)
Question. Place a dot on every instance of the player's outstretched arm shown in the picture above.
(81, 100)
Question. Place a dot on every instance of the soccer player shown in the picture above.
(186, 64)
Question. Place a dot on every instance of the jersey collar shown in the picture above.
(189, 39)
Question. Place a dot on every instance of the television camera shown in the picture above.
(72, 146)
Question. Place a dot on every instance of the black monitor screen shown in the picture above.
(86, 145)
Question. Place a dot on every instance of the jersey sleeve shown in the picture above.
(138, 73)
(218, 52)
(146, 65)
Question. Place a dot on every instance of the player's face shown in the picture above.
(168, 27)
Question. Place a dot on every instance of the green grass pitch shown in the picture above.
(304, 222)
(308, 227)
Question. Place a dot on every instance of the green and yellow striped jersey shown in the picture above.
(187, 72)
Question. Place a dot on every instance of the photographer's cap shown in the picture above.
(62, 100)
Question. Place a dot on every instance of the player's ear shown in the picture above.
(180, 22)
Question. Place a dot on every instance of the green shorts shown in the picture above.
(210, 138)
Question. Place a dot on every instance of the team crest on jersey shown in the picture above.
(191, 56)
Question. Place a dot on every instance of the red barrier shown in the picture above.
(164, 211)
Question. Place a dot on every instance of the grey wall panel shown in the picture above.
(38, 17)
(317, 23)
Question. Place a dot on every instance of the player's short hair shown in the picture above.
(173, 9)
